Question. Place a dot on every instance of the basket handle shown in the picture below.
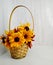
(13, 12)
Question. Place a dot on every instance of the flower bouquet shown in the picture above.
(19, 39)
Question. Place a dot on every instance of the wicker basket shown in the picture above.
(21, 51)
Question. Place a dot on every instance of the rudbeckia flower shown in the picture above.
(5, 41)
(28, 35)
(24, 27)
(16, 39)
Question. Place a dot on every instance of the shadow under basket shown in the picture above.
(19, 52)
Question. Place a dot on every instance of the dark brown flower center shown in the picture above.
(25, 36)
(3, 39)
(29, 42)
(16, 39)
(27, 28)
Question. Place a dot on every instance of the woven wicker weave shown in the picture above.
(22, 50)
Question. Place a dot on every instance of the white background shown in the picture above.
(42, 10)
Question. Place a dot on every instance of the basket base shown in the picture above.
(17, 57)
(18, 53)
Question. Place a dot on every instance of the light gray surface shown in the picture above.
(42, 55)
